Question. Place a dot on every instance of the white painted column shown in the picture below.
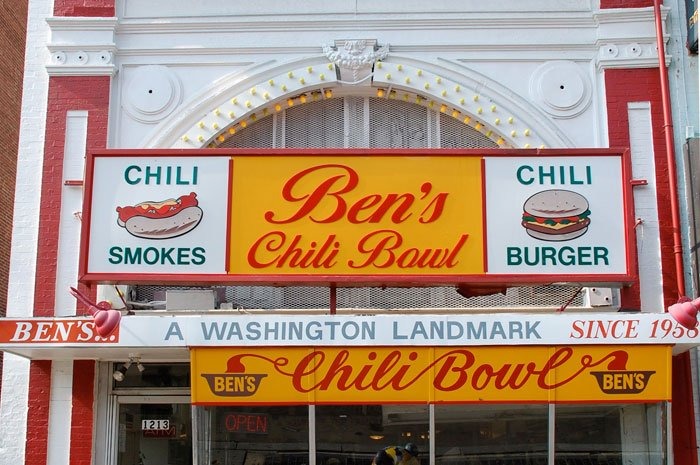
(71, 206)
(20, 298)
(60, 409)
(61, 400)
(646, 207)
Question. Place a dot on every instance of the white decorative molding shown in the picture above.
(257, 99)
(82, 46)
(239, 99)
(470, 100)
(561, 88)
(626, 37)
(629, 55)
(81, 63)
(216, 8)
(151, 93)
(217, 113)
(355, 59)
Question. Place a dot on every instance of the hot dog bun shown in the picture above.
(164, 228)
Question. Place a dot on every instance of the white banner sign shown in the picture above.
(147, 331)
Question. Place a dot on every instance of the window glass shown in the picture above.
(238, 435)
(609, 434)
(154, 434)
(353, 434)
(151, 375)
(491, 434)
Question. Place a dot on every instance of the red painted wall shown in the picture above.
(644, 85)
(89, 93)
(82, 416)
(38, 414)
(626, 3)
(13, 31)
(90, 8)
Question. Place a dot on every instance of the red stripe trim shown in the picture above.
(625, 4)
(89, 93)
(82, 415)
(623, 86)
(87, 8)
(36, 452)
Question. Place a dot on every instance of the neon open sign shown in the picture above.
(244, 422)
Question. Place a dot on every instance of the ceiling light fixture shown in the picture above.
(120, 373)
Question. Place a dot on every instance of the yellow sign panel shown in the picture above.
(294, 375)
(357, 215)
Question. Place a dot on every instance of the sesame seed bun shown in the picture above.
(556, 203)
(556, 215)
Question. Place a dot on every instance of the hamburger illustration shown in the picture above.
(556, 215)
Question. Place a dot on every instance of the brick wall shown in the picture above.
(626, 3)
(89, 93)
(623, 86)
(38, 414)
(82, 418)
(13, 26)
(90, 8)
(65, 93)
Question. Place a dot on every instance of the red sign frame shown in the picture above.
(412, 279)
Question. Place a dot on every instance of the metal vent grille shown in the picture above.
(317, 124)
(258, 135)
(457, 135)
(375, 298)
(355, 112)
(397, 124)
(356, 121)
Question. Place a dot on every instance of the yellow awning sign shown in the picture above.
(324, 375)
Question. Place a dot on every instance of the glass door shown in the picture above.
(154, 434)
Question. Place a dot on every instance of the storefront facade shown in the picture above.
(349, 274)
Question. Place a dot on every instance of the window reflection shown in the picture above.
(154, 375)
(352, 435)
(594, 434)
(510, 434)
(491, 434)
(154, 434)
(240, 435)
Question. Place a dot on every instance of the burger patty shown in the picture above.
(564, 230)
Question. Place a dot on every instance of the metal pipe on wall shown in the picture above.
(670, 152)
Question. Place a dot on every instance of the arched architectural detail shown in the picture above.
(241, 99)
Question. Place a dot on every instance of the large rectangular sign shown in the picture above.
(419, 217)
(255, 375)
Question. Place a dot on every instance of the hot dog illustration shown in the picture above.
(556, 215)
(161, 220)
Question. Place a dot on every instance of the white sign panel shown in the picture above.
(159, 215)
(171, 330)
(555, 215)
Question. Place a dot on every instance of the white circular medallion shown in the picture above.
(151, 93)
(561, 89)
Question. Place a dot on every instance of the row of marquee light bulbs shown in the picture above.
(107, 319)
